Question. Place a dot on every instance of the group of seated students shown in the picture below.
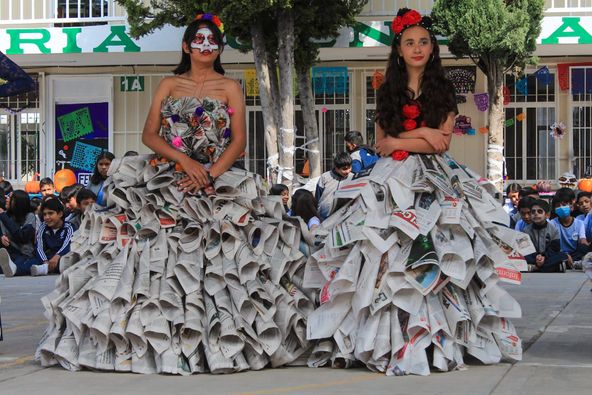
(561, 231)
(35, 231)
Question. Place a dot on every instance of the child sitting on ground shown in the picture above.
(17, 227)
(84, 198)
(283, 191)
(46, 187)
(548, 257)
(524, 210)
(53, 238)
(571, 230)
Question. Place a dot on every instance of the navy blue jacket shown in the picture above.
(50, 242)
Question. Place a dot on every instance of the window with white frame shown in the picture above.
(581, 119)
(20, 124)
(370, 110)
(530, 150)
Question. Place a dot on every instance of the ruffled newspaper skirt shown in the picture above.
(408, 274)
(172, 283)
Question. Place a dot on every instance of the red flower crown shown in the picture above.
(213, 18)
(408, 19)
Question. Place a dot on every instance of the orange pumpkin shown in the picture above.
(63, 178)
(32, 186)
(585, 185)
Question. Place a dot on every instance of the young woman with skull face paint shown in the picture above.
(199, 75)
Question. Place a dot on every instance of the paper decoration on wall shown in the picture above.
(251, 83)
(462, 124)
(377, 79)
(520, 117)
(509, 122)
(543, 76)
(330, 80)
(461, 99)
(558, 130)
(522, 85)
(484, 130)
(76, 124)
(471, 132)
(462, 77)
(481, 101)
(506, 92)
(563, 73)
(85, 156)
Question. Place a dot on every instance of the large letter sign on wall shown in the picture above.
(570, 29)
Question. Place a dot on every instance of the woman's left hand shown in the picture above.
(386, 145)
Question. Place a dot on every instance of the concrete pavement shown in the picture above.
(556, 329)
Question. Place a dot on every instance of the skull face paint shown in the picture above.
(204, 41)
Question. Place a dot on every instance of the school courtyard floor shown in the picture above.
(556, 329)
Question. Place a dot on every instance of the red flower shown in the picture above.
(400, 155)
(397, 25)
(411, 111)
(411, 17)
(216, 20)
(409, 124)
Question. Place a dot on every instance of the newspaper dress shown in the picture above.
(408, 273)
(175, 283)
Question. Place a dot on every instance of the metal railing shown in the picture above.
(47, 12)
(390, 7)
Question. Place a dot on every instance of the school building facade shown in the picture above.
(96, 85)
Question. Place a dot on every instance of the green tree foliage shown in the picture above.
(497, 35)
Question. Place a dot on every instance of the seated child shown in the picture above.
(84, 198)
(584, 203)
(548, 257)
(571, 230)
(524, 210)
(53, 238)
(17, 230)
(283, 191)
(46, 187)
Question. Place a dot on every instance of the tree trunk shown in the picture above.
(274, 84)
(286, 64)
(495, 143)
(311, 127)
(268, 103)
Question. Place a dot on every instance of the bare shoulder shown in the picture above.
(232, 86)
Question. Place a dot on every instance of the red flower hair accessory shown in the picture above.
(212, 18)
(409, 18)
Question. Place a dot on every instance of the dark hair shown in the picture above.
(185, 63)
(295, 196)
(96, 178)
(305, 206)
(45, 181)
(354, 137)
(51, 203)
(438, 95)
(84, 194)
(527, 202)
(513, 188)
(584, 194)
(563, 195)
(130, 153)
(528, 191)
(342, 159)
(542, 204)
(277, 189)
(70, 191)
(6, 186)
(20, 206)
(35, 203)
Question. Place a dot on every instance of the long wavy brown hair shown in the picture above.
(438, 97)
